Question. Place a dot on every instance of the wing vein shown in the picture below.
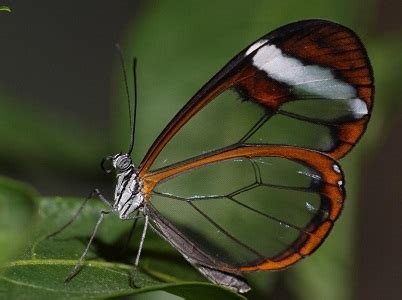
(225, 232)
(255, 127)
(268, 216)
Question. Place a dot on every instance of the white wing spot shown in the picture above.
(358, 107)
(255, 46)
(310, 207)
(336, 168)
(340, 182)
(305, 79)
(314, 176)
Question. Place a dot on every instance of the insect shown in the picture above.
(314, 74)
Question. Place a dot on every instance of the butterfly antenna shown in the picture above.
(135, 105)
(132, 126)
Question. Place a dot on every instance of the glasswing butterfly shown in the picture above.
(246, 199)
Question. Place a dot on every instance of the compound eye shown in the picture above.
(107, 164)
(123, 163)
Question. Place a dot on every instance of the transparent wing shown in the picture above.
(250, 208)
(307, 84)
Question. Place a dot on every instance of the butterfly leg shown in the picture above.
(137, 258)
(78, 265)
(97, 193)
(130, 235)
(94, 193)
(144, 232)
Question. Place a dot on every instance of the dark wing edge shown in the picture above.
(318, 43)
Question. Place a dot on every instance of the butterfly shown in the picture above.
(249, 200)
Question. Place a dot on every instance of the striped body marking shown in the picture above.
(128, 195)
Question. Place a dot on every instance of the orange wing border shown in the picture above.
(314, 233)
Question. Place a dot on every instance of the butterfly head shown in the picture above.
(120, 163)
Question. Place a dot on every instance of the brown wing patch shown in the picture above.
(337, 47)
(255, 85)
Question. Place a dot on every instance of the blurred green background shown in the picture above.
(63, 108)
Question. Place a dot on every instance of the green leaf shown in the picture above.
(40, 270)
(5, 8)
(17, 216)
(200, 291)
(46, 277)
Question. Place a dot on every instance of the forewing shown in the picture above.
(312, 75)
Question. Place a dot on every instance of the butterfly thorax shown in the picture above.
(128, 195)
